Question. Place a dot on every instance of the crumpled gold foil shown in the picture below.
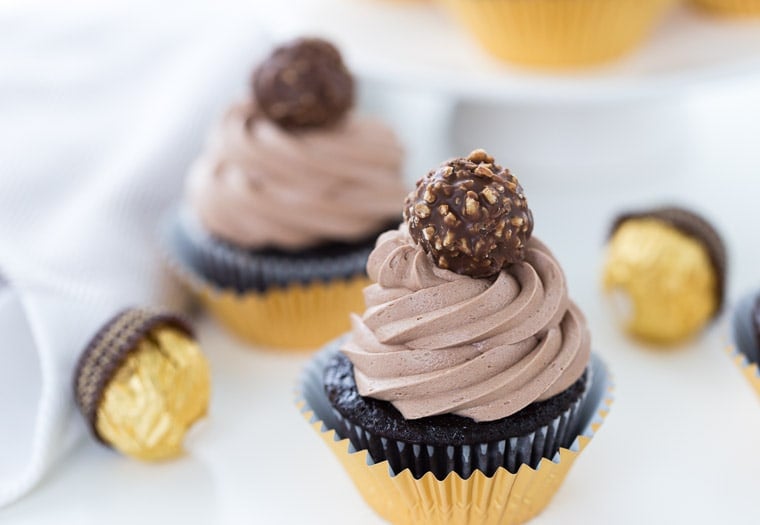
(161, 389)
(666, 277)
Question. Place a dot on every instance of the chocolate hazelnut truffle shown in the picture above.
(666, 268)
(142, 382)
(304, 84)
(470, 215)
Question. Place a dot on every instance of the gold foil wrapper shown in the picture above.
(664, 276)
(154, 397)
(503, 499)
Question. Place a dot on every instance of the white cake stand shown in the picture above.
(628, 113)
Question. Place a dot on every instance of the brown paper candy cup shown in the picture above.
(501, 498)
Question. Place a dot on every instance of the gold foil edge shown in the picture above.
(730, 8)
(749, 370)
(297, 318)
(153, 398)
(503, 499)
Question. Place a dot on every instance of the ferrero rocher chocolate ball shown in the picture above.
(665, 269)
(304, 84)
(470, 215)
(142, 382)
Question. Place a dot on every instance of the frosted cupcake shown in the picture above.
(470, 371)
(285, 203)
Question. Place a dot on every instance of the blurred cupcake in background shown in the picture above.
(284, 205)
(467, 388)
(559, 33)
(745, 325)
(665, 273)
(737, 8)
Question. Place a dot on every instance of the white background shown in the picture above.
(680, 444)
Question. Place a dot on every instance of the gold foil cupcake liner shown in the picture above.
(745, 348)
(559, 33)
(730, 7)
(297, 317)
(748, 369)
(503, 498)
(294, 316)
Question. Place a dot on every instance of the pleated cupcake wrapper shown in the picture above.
(731, 7)
(465, 494)
(747, 368)
(559, 33)
(295, 315)
(743, 337)
(509, 453)
(244, 271)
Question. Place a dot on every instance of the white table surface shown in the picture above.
(680, 444)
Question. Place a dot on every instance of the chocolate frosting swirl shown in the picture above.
(259, 186)
(435, 342)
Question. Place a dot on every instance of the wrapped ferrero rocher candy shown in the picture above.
(665, 270)
(142, 382)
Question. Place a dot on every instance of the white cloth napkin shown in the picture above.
(101, 112)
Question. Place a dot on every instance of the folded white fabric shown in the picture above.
(101, 112)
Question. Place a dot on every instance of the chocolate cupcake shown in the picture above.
(470, 367)
(285, 203)
(746, 336)
(666, 270)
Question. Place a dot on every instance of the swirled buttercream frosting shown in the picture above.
(258, 185)
(432, 341)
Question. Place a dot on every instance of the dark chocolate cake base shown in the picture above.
(445, 443)
(230, 267)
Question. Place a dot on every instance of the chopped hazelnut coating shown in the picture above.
(304, 84)
(470, 215)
